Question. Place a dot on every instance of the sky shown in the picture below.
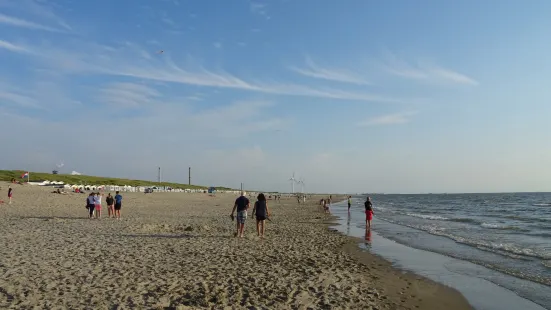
(351, 96)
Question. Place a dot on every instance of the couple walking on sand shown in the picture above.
(260, 209)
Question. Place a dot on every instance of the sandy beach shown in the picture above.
(177, 251)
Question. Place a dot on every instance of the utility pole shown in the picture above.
(189, 175)
(159, 175)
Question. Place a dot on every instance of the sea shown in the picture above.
(504, 239)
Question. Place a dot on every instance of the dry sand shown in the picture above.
(53, 257)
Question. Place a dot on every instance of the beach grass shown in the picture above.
(7, 175)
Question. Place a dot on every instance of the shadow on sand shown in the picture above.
(47, 218)
(178, 236)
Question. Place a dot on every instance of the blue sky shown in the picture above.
(353, 96)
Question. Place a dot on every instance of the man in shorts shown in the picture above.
(118, 205)
(241, 205)
(349, 203)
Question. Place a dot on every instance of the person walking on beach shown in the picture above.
(110, 205)
(91, 204)
(99, 197)
(325, 206)
(368, 212)
(118, 205)
(10, 194)
(349, 203)
(262, 213)
(241, 205)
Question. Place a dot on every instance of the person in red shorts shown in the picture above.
(368, 212)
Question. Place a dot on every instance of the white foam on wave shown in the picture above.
(500, 248)
(494, 226)
(428, 216)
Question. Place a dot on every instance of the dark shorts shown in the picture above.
(260, 217)
(118, 206)
(91, 209)
(349, 205)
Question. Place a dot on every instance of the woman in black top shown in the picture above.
(262, 213)
(110, 205)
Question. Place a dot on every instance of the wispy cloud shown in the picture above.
(424, 71)
(17, 22)
(389, 119)
(16, 97)
(259, 9)
(12, 47)
(128, 95)
(128, 61)
(315, 71)
(217, 44)
(168, 21)
(43, 10)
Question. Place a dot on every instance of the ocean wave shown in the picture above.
(503, 227)
(546, 263)
(526, 219)
(542, 204)
(507, 249)
(464, 220)
(428, 216)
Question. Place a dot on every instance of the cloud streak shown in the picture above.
(128, 95)
(423, 71)
(12, 47)
(315, 71)
(17, 22)
(128, 61)
(389, 119)
(36, 9)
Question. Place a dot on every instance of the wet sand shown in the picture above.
(177, 251)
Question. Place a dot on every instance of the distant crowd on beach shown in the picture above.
(242, 204)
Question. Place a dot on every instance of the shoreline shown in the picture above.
(418, 291)
(474, 282)
(178, 251)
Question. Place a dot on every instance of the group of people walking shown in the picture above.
(114, 205)
(260, 211)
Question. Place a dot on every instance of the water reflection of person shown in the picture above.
(367, 236)
(348, 225)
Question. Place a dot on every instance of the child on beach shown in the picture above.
(368, 212)
(241, 205)
(118, 205)
(110, 205)
(98, 204)
(91, 204)
(262, 213)
(10, 194)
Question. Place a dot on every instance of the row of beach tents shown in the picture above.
(135, 189)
